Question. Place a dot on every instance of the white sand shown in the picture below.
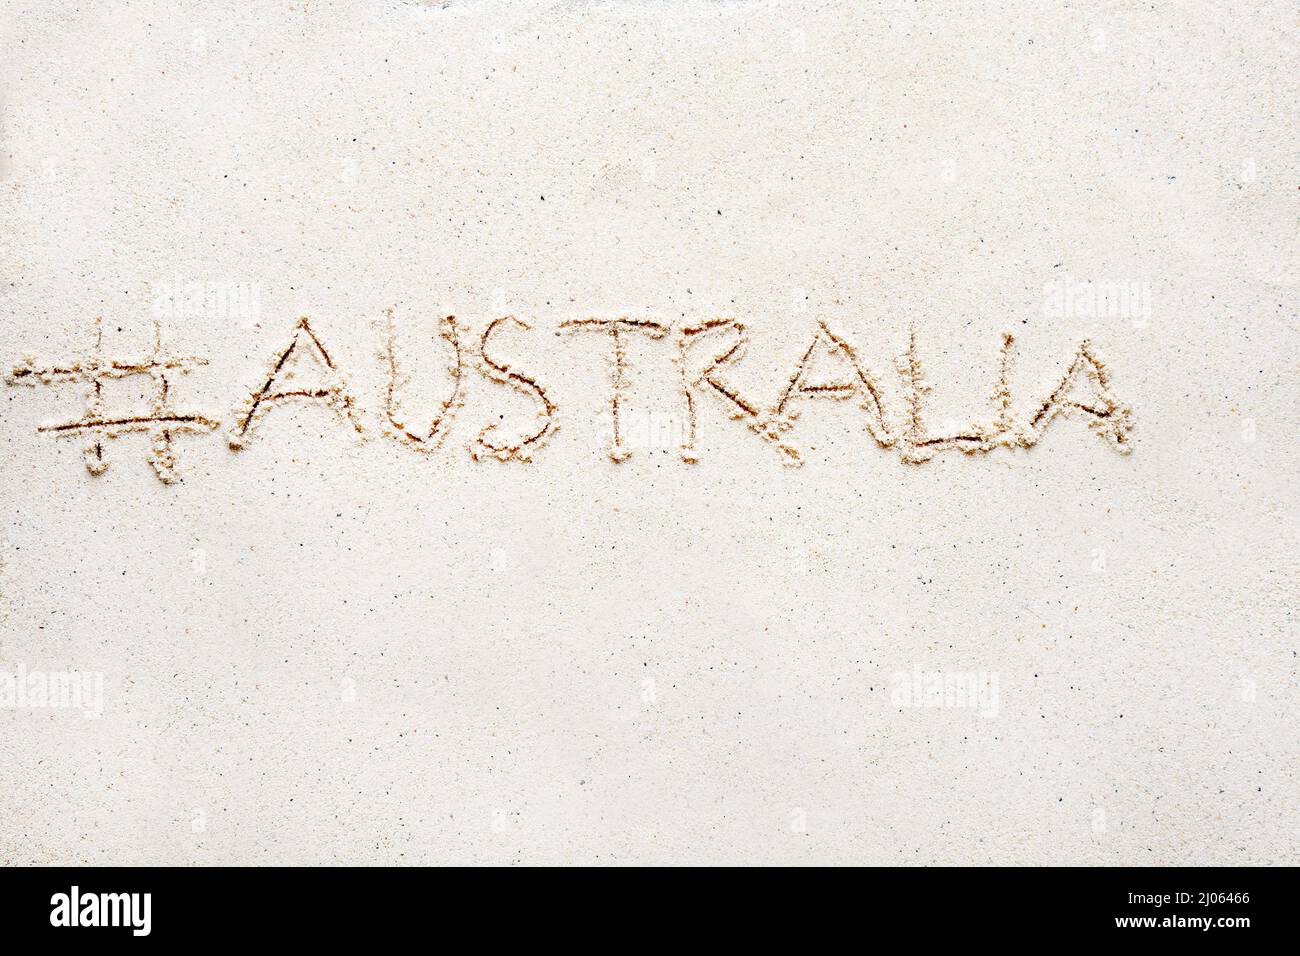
(329, 648)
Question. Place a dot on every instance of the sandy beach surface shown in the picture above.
(935, 504)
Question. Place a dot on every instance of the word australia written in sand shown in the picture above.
(303, 369)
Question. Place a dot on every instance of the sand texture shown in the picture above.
(649, 432)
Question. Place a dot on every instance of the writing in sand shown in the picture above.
(302, 369)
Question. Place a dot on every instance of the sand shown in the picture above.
(932, 500)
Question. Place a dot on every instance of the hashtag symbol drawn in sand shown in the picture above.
(161, 422)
